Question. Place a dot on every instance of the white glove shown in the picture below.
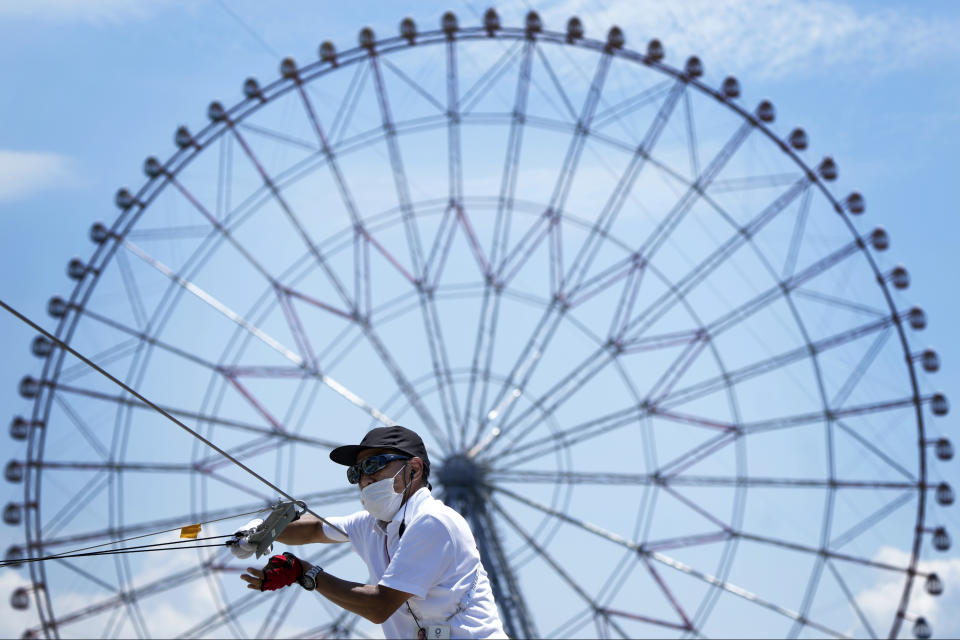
(240, 545)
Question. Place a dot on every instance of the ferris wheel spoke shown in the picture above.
(479, 377)
(279, 137)
(455, 160)
(292, 217)
(687, 623)
(627, 300)
(630, 105)
(107, 356)
(296, 326)
(170, 233)
(413, 84)
(862, 366)
(675, 371)
(493, 73)
(695, 454)
(399, 173)
(691, 135)
(148, 467)
(82, 426)
(142, 337)
(485, 342)
(199, 417)
(511, 163)
(678, 212)
(441, 365)
(754, 182)
(133, 291)
(523, 367)
(775, 362)
(696, 421)
(724, 526)
(214, 303)
(557, 85)
(449, 402)
(752, 306)
(851, 599)
(80, 499)
(840, 303)
(256, 404)
(348, 106)
(221, 229)
(708, 265)
(808, 418)
(796, 237)
(872, 519)
(551, 217)
(872, 448)
(409, 391)
(559, 515)
(683, 542)
(743, 593)
(361, 248)
(626, 269)
(614, 204)
(571, 477)
(553, 564)
(573, 435)
(567, 388)
(650, 479)
(821, 552)
(258, 333)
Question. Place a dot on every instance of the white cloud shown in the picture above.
(940, 611)
(13, 622)
(24, 173)
(771, 38)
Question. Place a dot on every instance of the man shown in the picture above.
(426, 579)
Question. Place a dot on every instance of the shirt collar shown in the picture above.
(406, 512)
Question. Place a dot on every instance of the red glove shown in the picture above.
(281, 571)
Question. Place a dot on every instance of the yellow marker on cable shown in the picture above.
(190, 531)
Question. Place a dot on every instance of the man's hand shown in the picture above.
(280, 571)
(240, 545)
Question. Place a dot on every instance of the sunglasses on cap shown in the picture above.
(371, 465)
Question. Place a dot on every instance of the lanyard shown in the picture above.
(421, 632)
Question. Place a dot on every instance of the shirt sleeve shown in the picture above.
(424, 555)
(347, 523)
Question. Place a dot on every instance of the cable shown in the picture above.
(159, 546)
(256, 36)
(162, 412)
(66, 554)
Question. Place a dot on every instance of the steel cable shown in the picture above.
(162, 412)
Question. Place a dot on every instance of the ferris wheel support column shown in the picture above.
(461, 479)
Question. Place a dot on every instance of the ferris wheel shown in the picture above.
(658, 364)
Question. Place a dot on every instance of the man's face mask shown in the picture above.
(380, 500)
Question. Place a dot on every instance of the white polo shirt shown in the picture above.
(436, 560)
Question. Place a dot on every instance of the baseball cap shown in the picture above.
(396, 438)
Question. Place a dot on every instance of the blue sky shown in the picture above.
(92, 88)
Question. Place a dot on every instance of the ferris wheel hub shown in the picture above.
(459, 474)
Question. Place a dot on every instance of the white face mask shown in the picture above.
(380, 500)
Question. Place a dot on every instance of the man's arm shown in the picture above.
(376, 603)
(306, 530)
